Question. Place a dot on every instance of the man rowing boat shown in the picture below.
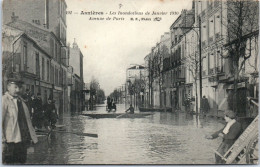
(131, 109)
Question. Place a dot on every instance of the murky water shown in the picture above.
(163, 138)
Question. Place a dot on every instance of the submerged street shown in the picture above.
(191, 67)
(163, 138)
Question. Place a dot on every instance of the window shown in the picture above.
(48, 70)
(211, 27)
(218, 23)
(56, 51)
(43, 69)
(204, 32)
(220, 61)
(25, 56)
(56, 77)
(204, 66)
(204, 5)
(37, 64)
(211, 60)
(64, 77)
(52, 48)
(60, 77)
(52, 74)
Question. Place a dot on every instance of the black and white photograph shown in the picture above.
(130, 82)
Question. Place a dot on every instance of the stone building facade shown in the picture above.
(40, 52)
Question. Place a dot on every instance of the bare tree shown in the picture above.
(158, 70)
(151, 71)
(94, 87)
(242, 31)
(192, 64)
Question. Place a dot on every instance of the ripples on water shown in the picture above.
(163, 138)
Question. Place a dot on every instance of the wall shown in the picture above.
(75, 60)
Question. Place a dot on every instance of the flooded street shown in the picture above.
(162, 138)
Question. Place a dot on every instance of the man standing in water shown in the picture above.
(17, 129)
(50, 112)
(204, 105)
(38, 115)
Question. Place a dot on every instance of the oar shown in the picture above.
(76, 133)
(119, 116)
(79, 133)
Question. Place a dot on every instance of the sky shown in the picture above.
(111, 46)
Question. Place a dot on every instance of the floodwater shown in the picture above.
(163, 138)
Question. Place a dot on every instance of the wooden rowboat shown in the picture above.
(152, 109)
(44, 134)
(118, 115)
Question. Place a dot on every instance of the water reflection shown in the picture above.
(163, 138)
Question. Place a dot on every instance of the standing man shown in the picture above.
(17, 129)
(229, 134)
(50, 112)
(28, 100)
(38, 115)
(204, 105)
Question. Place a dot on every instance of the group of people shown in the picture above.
(21, 114)
(42, 115)
(111, 105)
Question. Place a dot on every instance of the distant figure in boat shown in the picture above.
(131, 109)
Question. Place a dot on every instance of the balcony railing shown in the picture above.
(213, 79)
(212, 71)
(220, 69)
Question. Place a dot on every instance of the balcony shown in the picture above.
(220, 71)
(212, 71)
(213, 79)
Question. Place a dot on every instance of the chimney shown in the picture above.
(13, 17)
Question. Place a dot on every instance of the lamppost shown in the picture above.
(200, 57)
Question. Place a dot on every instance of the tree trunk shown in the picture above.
(236, 76)
(196, 96)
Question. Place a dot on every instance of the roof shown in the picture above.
(18, 34)
(136, 67)
(40, 35)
